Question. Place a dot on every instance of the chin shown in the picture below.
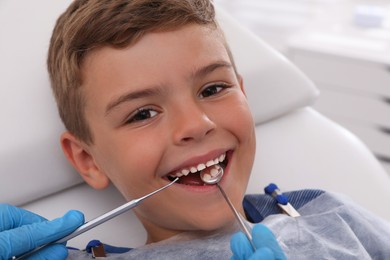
(220, 220)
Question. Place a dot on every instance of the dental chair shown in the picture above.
(297, 147)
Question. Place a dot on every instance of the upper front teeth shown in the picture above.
(200, 166)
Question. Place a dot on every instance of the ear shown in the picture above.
(78, 155)
(241, 83)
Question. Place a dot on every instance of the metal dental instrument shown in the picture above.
(214, 179)
(99, 220)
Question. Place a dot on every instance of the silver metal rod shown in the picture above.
(111, 214)
(238, 216)
(99, 220)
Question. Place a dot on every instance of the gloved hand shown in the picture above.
(22, 231)
(267, 248)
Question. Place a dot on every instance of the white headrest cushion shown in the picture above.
(31, 162)
(274, 85)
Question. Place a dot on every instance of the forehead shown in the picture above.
(160, 48)
(160, 60)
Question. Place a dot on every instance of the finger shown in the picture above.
(263, 237)
(240, 246)
(50, 231)
(263, 253)
(13, 217)
(29, 237)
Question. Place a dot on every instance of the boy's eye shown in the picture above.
(213, 89)
(142, 114)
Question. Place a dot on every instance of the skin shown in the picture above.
(193, 108)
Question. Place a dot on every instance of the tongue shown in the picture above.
(192, 179)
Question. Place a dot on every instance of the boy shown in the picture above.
(148, 91)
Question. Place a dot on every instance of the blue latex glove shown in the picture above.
(267, 248)
(22, 231)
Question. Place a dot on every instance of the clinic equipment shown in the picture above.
(214, 179)
(100, 220)
(273, 190)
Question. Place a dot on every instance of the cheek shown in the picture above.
(130, 160)
(238, 119)
(241, 125)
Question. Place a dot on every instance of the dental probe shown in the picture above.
(214, 179)
(99, 220)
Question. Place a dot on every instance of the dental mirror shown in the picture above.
(214, 176)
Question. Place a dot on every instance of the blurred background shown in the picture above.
(343, 46)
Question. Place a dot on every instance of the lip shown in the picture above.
(205, 188)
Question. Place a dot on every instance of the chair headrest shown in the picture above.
(31, 162)
(274, 85)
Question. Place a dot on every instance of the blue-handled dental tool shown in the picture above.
(282, 200)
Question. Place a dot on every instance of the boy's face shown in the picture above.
(170, 102)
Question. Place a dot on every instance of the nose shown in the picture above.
(191, 124)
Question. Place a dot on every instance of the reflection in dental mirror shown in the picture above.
(212, 175)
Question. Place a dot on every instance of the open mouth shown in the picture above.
(191, 175)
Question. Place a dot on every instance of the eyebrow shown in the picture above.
(203, 71)
(154, 91)
(132, 96)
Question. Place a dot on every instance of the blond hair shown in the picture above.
(90, 24)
